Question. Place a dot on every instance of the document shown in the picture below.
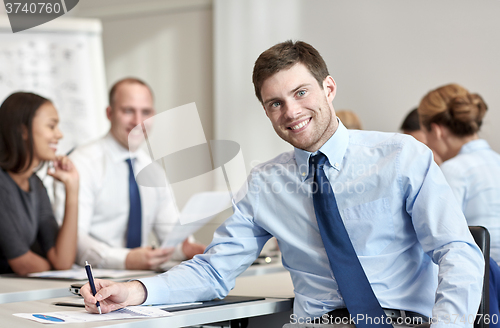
(130, 312)
(80, 274)
(199, 209)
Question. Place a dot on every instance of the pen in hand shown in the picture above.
(88, 268)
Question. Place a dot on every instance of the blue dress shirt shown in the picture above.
(400, 214)
(474, 177)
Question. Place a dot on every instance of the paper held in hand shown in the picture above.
(199, 209)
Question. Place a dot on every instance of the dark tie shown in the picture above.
(351, 279)
(134, 219)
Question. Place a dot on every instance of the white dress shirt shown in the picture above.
(104, 204)
(474, 177)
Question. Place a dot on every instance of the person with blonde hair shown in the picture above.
(451, 118)
(349, 119)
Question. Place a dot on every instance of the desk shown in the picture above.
(13, 289)
(179, 319)
(16, 289)
(30, 289)
(280, 282)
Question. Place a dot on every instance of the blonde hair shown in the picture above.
(454, 107)
(349, 119)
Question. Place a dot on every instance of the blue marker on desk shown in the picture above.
(88, 268)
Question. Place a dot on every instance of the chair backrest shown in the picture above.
(482, 238)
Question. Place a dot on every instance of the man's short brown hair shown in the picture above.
(283, 56)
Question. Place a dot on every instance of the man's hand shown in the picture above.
(191, 249)
(146, 258)
(112, 295)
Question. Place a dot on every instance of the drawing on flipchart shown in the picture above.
(57, 67)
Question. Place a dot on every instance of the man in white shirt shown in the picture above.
(104, 201)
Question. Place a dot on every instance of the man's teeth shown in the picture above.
(298, 126)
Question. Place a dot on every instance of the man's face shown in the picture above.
(300, 110)
(132, 105)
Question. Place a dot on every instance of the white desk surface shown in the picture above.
(14, 289)
(17, 289)
(272, 285)
(29, 289)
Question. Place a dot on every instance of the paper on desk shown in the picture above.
(80, 274)
(199, 209)
(130, 312)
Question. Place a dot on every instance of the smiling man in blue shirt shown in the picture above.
(408, 232)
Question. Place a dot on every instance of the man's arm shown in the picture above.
(206, 277)
(236, 244)
(442, 231)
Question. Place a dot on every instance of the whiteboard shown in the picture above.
(63, 61)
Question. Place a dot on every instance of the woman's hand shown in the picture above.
(65, 171)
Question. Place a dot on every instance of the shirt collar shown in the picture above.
(473, 146)
(117, 152)
(334, 149)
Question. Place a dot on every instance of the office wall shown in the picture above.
(168, 44)
(384, 55)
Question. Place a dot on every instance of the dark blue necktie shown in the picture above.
(134, 219)
(351, 279)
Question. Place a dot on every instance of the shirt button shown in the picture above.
(304, 174)
(336, 165)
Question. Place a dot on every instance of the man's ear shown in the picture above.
(330, 88)
(109, 110)
(265, 111)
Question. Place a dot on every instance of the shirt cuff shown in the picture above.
(156, 290)
(115, 258)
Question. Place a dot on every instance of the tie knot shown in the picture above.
(318, 159)
(130, 162)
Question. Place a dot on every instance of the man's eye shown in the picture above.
(301, 93)
(275, 104)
